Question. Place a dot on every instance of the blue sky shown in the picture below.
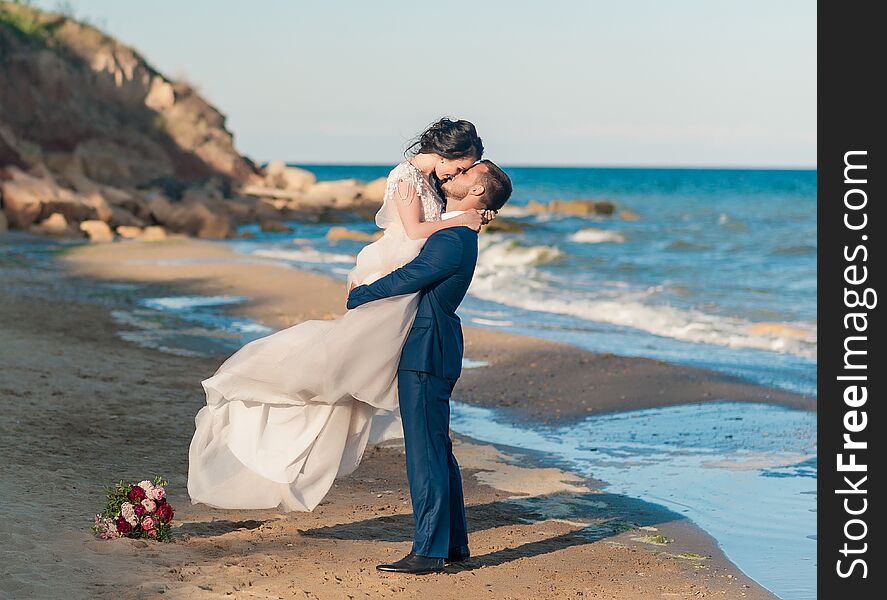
(560, 82)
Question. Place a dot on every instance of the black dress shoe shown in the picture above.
(415, 564)
(458, 554)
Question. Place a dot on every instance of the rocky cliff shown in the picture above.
(73, 97)
(93, 138)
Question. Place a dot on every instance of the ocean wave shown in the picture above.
(591, 235)
(184, 303)
(523, 289)
(493, 251)
(305, 254)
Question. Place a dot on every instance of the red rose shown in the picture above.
(136, 494)
(122, 526)
(139, 509)
(164, 511)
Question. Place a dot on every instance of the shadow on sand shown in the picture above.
(214, 528)
(597, 516)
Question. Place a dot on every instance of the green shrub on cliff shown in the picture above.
(22, 21)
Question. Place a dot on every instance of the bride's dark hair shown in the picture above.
(449, 139)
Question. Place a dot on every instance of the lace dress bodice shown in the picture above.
(395, 248)
(406, 173)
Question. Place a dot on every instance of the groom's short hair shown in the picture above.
(497, 186)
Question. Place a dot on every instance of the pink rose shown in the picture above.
(159, 492)
(148, 523)
(138, 509)
(149, 505)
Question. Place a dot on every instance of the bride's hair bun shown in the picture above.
(449, 139)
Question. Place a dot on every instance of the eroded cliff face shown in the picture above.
(77, 100)
(95, 142)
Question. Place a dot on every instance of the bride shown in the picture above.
(288, 413)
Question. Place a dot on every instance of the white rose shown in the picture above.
(129, 513)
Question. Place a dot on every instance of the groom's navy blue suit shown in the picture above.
(430, 364)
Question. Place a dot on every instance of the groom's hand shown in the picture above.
(350, 302)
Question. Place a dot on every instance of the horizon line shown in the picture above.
(577, 166)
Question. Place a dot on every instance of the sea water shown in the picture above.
(745, 473)
(719, 271)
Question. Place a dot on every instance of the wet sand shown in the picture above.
(83, 408)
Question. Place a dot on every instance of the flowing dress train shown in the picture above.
(288, 413)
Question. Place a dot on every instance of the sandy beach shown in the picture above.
(84, 408)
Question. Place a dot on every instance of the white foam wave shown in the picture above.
(597, 236)
(523, 288)
(491, 322)
(182, 303)
(496, 252)
(306, 254)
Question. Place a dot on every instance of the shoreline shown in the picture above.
(527, 523)
(529, 378)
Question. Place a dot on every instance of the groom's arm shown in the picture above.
(439, 258)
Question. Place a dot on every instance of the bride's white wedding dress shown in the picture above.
(288, 413)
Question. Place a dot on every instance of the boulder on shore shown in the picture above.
(193, 218)
(374, 191)
(23, 197)
(279, 175)
(153, 233)
(128, 232)
(55, 224)
(97, 231)
(337, 194)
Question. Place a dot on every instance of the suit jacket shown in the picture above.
(441, 273)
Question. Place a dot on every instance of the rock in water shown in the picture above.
(577, 208)
(275, 227)
(341, 233)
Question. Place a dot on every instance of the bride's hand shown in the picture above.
(487, 216)
(471, 219)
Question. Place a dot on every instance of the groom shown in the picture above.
(430, 364)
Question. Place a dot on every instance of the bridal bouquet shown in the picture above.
(136, 510)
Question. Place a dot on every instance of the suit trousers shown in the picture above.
(432, 470)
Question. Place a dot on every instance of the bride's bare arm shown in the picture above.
(409, 207)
